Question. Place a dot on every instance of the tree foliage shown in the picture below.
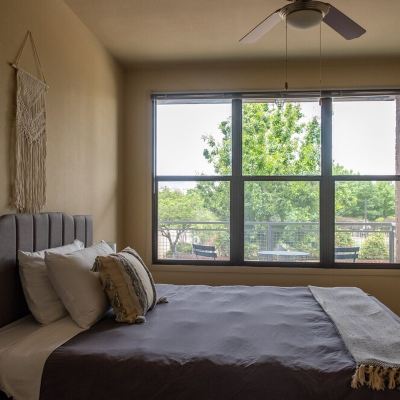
(276, 141)
(279, 141)
(369, 201)
(177, 210)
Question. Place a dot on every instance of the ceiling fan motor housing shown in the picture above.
(304, 14)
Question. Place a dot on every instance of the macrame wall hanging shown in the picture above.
(30, 149)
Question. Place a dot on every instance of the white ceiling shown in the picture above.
(143, 31)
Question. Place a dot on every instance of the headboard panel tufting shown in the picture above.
(32, 232)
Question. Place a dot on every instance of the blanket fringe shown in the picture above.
(376, 377)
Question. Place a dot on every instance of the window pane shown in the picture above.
(282, 221)
(194, 139)
(192, 215)
(364, 136)
(365, 222)
(281, 139)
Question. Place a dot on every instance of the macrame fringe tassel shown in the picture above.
(30, 188)
(376, 377)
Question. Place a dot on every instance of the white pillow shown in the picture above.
(77, 286)
(40, 296)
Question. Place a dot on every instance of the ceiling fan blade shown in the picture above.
(262, 28)
(342, 24)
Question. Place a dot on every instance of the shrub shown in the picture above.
(181, 247)
(184, 247)
(374, 247)
(251, 250)
(299, 238)
(343, 239)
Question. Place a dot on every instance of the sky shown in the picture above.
(363, 135)
(180, 128)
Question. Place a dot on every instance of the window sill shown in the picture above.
(292, 271)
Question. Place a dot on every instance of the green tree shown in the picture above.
(365, 200)
(276, 141)
(177, 209)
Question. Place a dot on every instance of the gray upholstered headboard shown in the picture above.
(32, 232)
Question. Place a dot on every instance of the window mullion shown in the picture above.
(237, 189)
(327, 187)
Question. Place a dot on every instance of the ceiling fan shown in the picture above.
(305, 14)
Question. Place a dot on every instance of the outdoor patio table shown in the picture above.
(283, 253)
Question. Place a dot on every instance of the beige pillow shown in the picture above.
(42, 300)
(77, 286)
(128, 284)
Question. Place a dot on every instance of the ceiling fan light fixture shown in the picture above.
(304, 19)
(305, 14)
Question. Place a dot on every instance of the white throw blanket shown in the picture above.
(370, 333)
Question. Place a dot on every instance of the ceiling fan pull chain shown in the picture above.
(320, 62)
(286, 57)
(320, 56)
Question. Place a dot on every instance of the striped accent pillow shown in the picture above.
(128, 284)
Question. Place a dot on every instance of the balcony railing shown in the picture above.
(375, 240)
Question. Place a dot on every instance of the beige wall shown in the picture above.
(136, 207)
(82, 108)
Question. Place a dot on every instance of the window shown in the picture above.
(364, 136)
(365, 221)
(281, 139)
(281, 221)
(364, 143)
(186, 218)
(184, 130)
(194, 159)
(252, 179)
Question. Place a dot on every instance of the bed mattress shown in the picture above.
(228, 342)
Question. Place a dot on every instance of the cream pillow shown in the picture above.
(77, 286)
(40, 296)
(128, 284)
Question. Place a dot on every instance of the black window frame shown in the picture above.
(326, 179)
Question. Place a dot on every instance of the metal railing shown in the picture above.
(376, 240)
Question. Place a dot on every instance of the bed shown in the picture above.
(228, 342)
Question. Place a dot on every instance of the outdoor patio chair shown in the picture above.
(346, 253)
(204, 251)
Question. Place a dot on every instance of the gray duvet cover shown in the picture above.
(232, 342)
